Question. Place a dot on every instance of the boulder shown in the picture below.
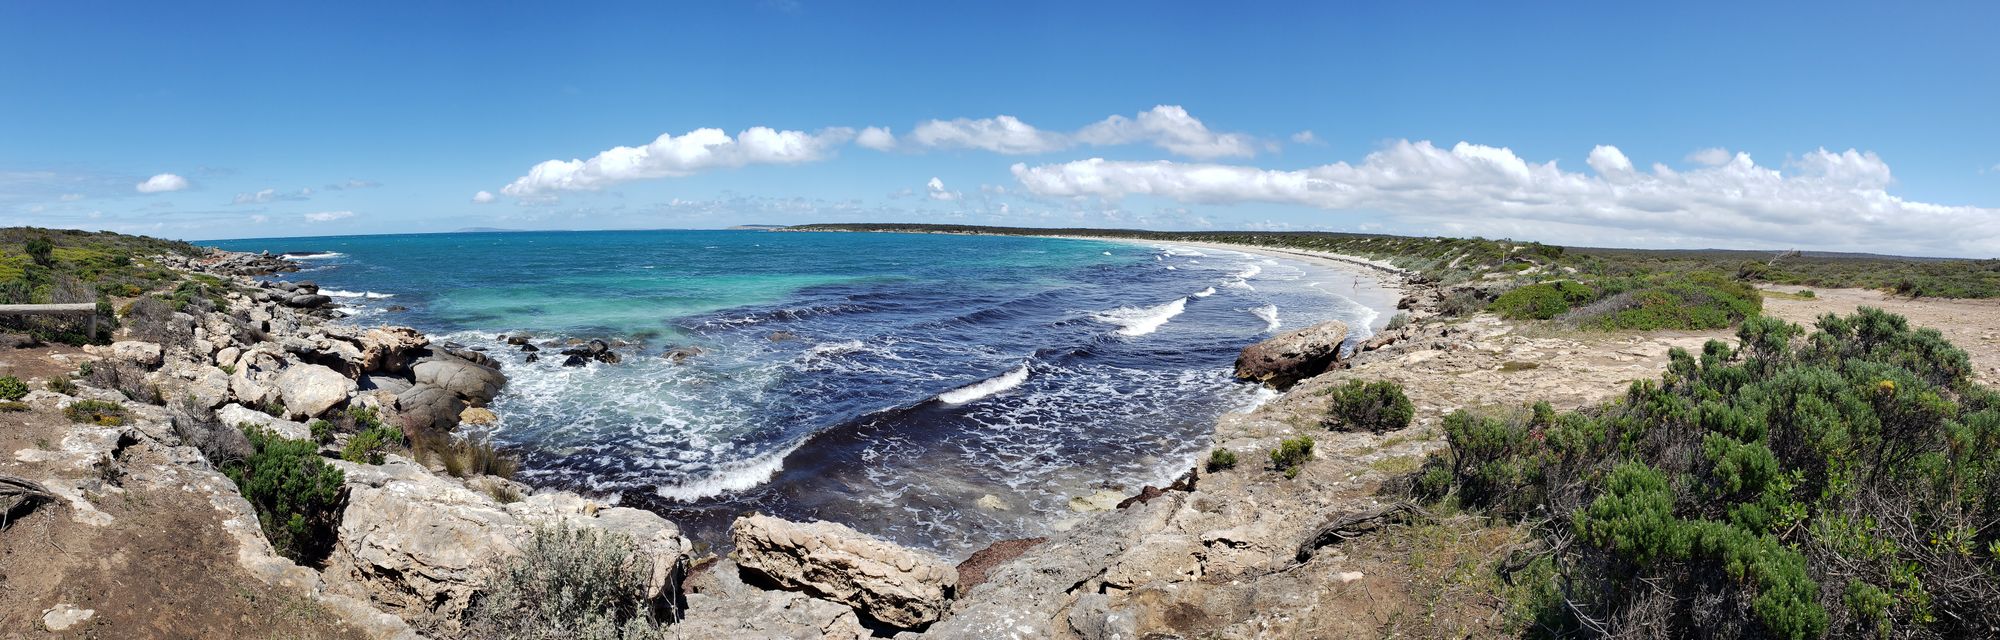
(423, 406)
(308, 301)
(1292, 356)
(476, 384)
(309, 390)
(391, 349)
(478, 416)
(236, 415)
(391, 384)
(721, 605)
(145, 354)
(894, 585)
(419, 545)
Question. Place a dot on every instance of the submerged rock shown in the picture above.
(1284, 360)
(892, 584)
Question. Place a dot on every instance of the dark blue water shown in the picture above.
(888, 381)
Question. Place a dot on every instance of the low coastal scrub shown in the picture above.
(366, 446)
(1221, 460)
(1542, 301)
(1793, 486)
(43, 266)
(62, 385)
(296, 494)
(462, 457)
(99, 412)
(1378, 406)
(1696, 301)
(1291, 455)
(567, 583)
(12, 388)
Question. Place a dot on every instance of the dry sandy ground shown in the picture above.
(1972, 325)
(161, 568)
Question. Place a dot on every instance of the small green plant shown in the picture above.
(296, 494)
(503, 493)
(1291, 455)
(1542, 301)
(1378, 406)
(1397, 321)
(14, 406)
(1221, 459)
(567, 583)
(11, 388)
(366, 447)
(1807, 294)
(322, 431)
(228, 369)
(62, 385)
(273, 409)
(99, 412)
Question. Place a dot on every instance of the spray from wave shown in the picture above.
(1269, 314)
(985, 388)
(1134, 322)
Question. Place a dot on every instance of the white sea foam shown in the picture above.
(319, 255)
(336, 293)
(730, 477)
(1107, 253)
(1205, 292)
(1173, 268)
(828, 349)
(1239, 284)
(1139, 321)
(987, 387)
(1250, 272)
(1269, 313)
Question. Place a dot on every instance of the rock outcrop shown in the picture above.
(309, 390)
(474, 383)
(417, 544)
(888, 583)
(1284, 360)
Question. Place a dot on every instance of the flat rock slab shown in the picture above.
(892, 584)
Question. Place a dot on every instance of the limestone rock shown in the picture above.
(1292, 356)
(424, 406)
(63, 616)
(390, 349)
(145, 354)
(418, 544)
(478, 416)
(476, 384)
(894, 585)
(391, 384)
(309, 390)
(236, 415)
(720, 605)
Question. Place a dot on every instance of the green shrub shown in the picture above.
(1542, 301)
(11, 388)
(1221, 459)
(296, 494)
(1398, 321)
(1807, 294)
(1378, 406)
(1291, 455)
(322, 431)
(1460, 303)
(15, 406)
(1719, 499)
(366, 447)
(567, 583)
(1691, 301)
(110, 414)
(62, 385)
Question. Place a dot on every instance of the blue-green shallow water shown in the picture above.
(886, 381)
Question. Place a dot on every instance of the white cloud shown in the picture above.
(1710, 157)
(675, 156)
(260, 218)
(482, 197)
(71, 197)
(999, 134)
(1305, 137)
(328, 216)
(162, 183)
(270, 195)
(1168, 127)
(1830, 200)
(935, 189)
(353, 184)
(877, 138)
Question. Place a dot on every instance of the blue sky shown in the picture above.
(1425, 118)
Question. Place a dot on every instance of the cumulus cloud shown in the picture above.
(674, 156)
(1710, 157)
(328, 216)
(877, 138)
(1168, 127)
(999, 134)
(162, 183)
(935, 189)
(482, 197)
(1827, 200)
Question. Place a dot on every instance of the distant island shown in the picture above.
(755, 227)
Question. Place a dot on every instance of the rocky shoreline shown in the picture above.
(1221, 551)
